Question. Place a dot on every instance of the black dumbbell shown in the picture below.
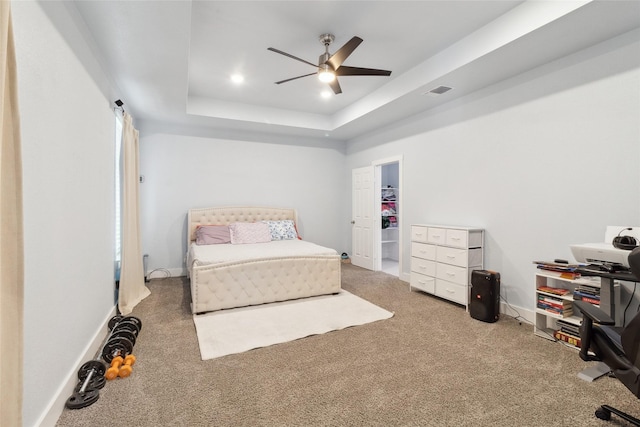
(91, 374)
(84, 394)
(116, 346)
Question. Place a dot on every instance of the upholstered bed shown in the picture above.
(235, 275)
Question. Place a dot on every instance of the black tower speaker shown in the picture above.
(485, 295)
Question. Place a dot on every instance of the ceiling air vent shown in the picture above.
(439, 90)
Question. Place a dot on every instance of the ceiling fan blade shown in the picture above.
(335, 86)
(291, 56)
(357, 71)
(294, 78)
(341, 54)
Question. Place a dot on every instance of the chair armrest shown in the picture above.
(590, 314)
(594, 313)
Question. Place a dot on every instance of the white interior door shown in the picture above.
(362, 217)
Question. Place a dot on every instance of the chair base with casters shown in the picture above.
(604, 413)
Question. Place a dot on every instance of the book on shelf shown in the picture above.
(561, 270)
(558, 265)
(590, 299)
(568, 338)
(562, 274)
(563, 312)
(555, 291)
(587, 291)
(560, 302)
(558, 306)
(568, 328)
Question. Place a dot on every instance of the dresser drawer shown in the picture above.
(422, 282)
(423, 250)
(452, 291)
(452, 273)
(459, 257)
(436, 235)
(419, 233)
(452, 256)
(423, 266)
(457, 238)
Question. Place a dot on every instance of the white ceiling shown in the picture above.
(172, 60)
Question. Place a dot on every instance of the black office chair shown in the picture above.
(618, 348)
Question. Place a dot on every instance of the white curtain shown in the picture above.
(11, 237)
(132, 287)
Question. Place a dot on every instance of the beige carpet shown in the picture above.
(233, 331)
(428, 365)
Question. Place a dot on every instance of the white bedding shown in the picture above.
(215, 254)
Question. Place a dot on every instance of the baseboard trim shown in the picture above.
(163, 273)
(524, 313)
(50, 416)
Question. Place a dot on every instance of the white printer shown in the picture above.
(605, 253)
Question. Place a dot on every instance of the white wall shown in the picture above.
(183, 172)
(540, 161)
(68, 163)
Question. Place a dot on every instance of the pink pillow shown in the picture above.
(212, 234)
(249, 232)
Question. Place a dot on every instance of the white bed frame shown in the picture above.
(252, 282)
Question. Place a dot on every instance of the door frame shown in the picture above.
(377, 225)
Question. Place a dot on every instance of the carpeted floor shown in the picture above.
(429, 365)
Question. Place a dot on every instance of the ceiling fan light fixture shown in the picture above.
(326, 76)
(330, 66)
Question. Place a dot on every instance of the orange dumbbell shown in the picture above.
(126, 368)
(113, 370)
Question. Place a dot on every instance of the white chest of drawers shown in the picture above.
(442, 259)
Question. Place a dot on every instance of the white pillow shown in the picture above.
(249, 232)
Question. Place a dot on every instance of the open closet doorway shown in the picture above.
(388, 224)
(376, 224)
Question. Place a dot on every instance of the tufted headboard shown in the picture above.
(228, 215)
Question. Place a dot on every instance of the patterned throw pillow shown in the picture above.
(282, 230)
(249, 232)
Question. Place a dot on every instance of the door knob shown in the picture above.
(353, 222)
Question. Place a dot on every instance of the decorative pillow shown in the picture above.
(212, 234)
(249, 232)
(282, 230)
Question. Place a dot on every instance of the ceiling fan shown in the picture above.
(330, 66)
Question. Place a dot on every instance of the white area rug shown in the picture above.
(240, 329)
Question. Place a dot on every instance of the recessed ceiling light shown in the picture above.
(325, 94)
(237, 78)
